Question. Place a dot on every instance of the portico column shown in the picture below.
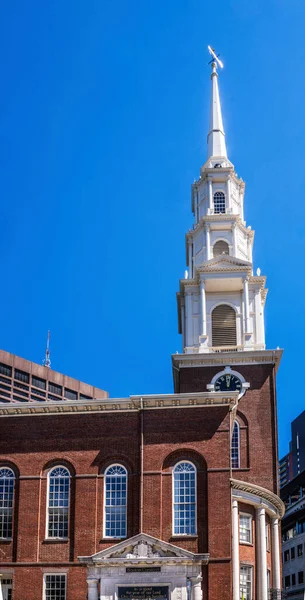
(235, 550)
(211, 207)
(246, 303)
(203, 308)
(262, 568)
(92, 588)
(1, 595)
(275, 548)
(196, 590)
(208, 241)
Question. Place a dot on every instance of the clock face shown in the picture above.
(228, 383)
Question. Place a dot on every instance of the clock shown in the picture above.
(228, 383)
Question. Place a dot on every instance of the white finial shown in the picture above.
(216, 135)
(258, 272)
(186, 274)
(47, 360)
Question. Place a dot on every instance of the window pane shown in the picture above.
(245, 583)
(219, 203)
(115, 501)
(184, 499)
(58, 503)
(235, 446)
(7, 482)
(55, 587)
(245, 526)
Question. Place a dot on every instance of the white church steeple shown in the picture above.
(221, 302)
(216, 135)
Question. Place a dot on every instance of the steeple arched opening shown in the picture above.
(219, 203)
(220, 247)
(224, 326)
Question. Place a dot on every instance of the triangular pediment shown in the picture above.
(224, 261)
(141, 547)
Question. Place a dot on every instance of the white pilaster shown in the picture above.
(182, 326)
(211, 206)
(275, 549)
(92, 588)
(246, 304)
(203, 308)
(229, 199)
(189, 318)
(196, 590)
(235, 550)
(234, 235)
(262, 567)
(190, 258)
(208, 241)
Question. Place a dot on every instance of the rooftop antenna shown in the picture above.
(215, 57)
(47, 360)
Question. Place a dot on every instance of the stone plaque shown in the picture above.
(139, 592)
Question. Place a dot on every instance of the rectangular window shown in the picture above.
(292, 553)
(55, 389)
(245, 528)
(287, 582)
(38, 382)
(55, 587)
(301, 577)
(245, 583)
(300, 549)
(286, 555)
(70, 394)
(7, 586)
(5, 370)
(21, 376)
(267, 536)
(293, 579)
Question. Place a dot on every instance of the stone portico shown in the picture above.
(144, 568)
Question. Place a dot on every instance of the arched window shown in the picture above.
(235, 446)
(184, 492)
(224, 326)
(115, 502)
(58, 502)
(7, 484)
(220, 247)
(219, 203)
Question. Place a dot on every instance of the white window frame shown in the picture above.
(238, 429)
(58, 574)
(249, 516)
(48, 537)
(9, 510)
(250, 567)
(117, 537)
(173, 499)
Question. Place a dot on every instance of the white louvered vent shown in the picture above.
(221, 247)
(224, 326)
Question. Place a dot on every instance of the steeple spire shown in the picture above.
(216, 135)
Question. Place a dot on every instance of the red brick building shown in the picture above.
(165, 497)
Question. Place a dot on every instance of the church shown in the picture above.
(155, 497)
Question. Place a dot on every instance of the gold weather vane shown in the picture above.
(215, 57)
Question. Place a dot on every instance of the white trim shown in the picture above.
(47, 536)
(54, 574)
(231, 445)
(224, 303)
(248, 515)
(244, 384)
(173, 500)
(113, 537)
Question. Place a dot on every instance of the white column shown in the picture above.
(1, 595)
(92, 588)
(262, 567)
(234, 239)
(189, 319)
(182, 326)
(275, 549)
(196, 590)
(190, 258)
(246, 303)
(203, 308)
(208, 241)
(211, 206)
(229, 201)
(235, 550)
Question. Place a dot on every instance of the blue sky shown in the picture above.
(103, 123)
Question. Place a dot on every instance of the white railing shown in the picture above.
(226, 348)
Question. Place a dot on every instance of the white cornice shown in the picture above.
(255, 494)
(132, 404)
(213, 359)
